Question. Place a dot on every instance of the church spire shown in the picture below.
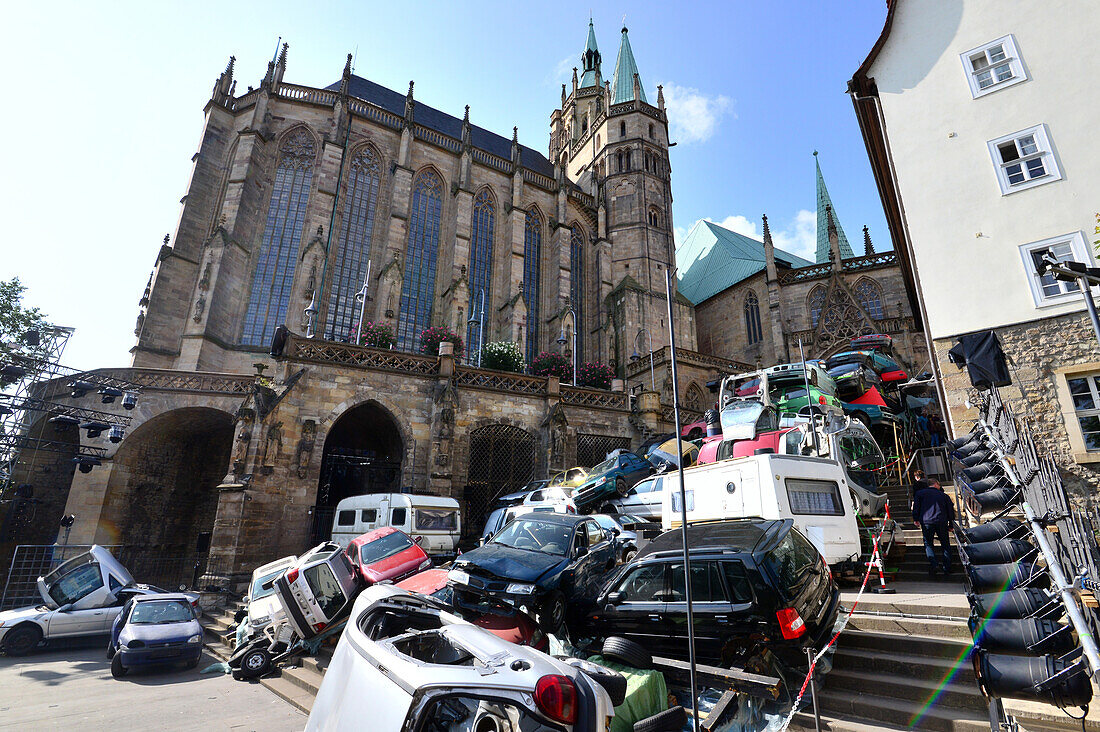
(622, 87)
(868, 247)
(590, 59)
(824, 204)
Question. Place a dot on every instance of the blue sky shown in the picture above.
(104, 111)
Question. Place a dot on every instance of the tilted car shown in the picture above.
(570, 478)
(155, 630)
(538, 562)
(756, 585)
(613, 477)
(313, 592)
(386, 554)
(625, 540)
(406, 663)
(642, 499)
(557, 498)
(261, 602)
(82, 597)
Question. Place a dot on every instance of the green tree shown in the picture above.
(16, 320)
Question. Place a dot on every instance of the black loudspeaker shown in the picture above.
(1022, 635)
(999, 551)
(984, 359)
(981, 471)
(958, 442)
(992, 530)
(993, 500)
(979, 456)
(1016, 604)
(1003, 577)
(1023, 677)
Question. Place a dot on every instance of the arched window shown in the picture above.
(694, 399)
(576, 285)
(654, 216)
(349, 267)
(651, 136)
(584, 124)
(597, 142)
(816, 303)
(418, 288)
(481, 271)
(532, 255)
(619, 162)
(752, 319)
(628, 161)
(622, 129)
(273, 277)
(870, 297)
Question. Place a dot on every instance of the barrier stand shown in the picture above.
(876, 562)
(813, 688)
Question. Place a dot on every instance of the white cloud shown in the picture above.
(692, 115)
(563, 71)
(798, 236)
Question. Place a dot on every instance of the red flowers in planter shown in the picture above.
(552, 364)
(432, 337)
(596, 375)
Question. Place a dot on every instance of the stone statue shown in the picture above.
(305, 448)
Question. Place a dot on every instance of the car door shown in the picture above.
(712, 610)
(649, 501)
(601, 555)
(632, 501)
(89, 621)
(635, 468)
(637, 612)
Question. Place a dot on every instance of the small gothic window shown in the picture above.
(651, 135)
(622, 129)
(870, 297)
(628, 160)
(752, 319)
(584, 125)
(597, 142)
(816, 303)
(619, 162)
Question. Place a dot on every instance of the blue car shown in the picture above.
(155, 630)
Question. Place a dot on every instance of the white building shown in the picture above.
(979, 118)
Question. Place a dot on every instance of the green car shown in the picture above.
(787, 390)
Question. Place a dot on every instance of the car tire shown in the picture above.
(255, 663)
(117, 669)
(609, 508)
(22, 639)
(552, 612)
(626, 652)
(670, 720)
(629, 554)
(192, 663)
(613, 682)
(621, 487)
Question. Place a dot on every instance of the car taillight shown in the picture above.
(790, 623)
(292, 576)
(822, 400)
(319, 627)
(556, 696)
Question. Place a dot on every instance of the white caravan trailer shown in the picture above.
(433, 522)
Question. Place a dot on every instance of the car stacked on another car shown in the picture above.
(155, 630)
(642, 499)
(321, 584)
(756, 585)
(386, 554)
(613, 477)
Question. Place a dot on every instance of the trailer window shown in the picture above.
(815, 497)
(368, 515)
(398, 516)
(436, 519)
(345, 518)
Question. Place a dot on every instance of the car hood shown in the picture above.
(405, 561)
(11, 617)
(159, 633)
(263, 608)
(507, 562)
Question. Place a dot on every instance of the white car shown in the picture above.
(643, 499)
(555, 499)
(405, 663)
(263, 602)
(82, 597)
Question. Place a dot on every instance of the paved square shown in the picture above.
(73, 689)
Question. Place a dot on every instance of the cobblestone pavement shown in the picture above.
(73, 689)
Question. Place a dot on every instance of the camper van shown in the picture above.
(812, 491)
(433, 522)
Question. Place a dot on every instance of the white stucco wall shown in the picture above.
(965, 234)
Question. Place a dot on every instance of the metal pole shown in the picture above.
(813, 688)
(481, 329)
(683, 500)
(574, 346)
(362, 294)
(1091, 305)
(809, 404)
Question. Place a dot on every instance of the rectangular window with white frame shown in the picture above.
(1024, 159)
(1084, 390)
(994, 66)
(1045, 290)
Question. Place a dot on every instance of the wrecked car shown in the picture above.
(155, 630)
(537, 561)
(386, 554)
(613, 477)
(82, 597)
(406, 663)
(261, 603)
(314, 591)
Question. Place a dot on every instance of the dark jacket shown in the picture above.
(932, 506)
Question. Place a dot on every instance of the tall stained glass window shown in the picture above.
(418, 288)
(752, 319)
(870, 298)
(576, 285)
(273, 277)
(532, 254)
(481, 271)
(349, 268)
(817, 303)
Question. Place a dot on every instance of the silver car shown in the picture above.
(643, 499)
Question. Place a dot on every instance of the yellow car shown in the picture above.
(569, 478)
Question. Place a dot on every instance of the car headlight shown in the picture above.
(601, 481)
(425, 564)
(195, 639)
(518, 588)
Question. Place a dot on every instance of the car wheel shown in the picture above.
(629, 554)
(117, 669)
(192, 663)
(255, 663)
(626, 652)
(669, 720)
(609, 508)
(22, 639)
(552, 614)
(613, 682)
(620, 487)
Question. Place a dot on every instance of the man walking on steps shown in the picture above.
(933, 513)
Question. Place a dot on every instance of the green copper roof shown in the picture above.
(823, 202)
(590, 59)
(712, 258)
(622, 86)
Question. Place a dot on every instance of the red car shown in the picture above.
(386, 554)
(516, 628)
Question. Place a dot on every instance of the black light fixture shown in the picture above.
(11, 372)
(999, 551)
(1062, 681)
(981, 471)
(977, 457)
(1022, 635)
(32, 337)
(960, 441)
(68, 521)
(4, 410)
(994, 500)
(95, 427)
(80, 388)
(116, 433)
(129, 400)
(992, 530)
(64, 421)
(985, 577)
(1021, 603)
(85, 463)
(109, 393)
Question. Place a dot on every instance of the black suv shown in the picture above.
(756, 584)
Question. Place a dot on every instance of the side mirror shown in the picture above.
(580, 551)
(614, 598)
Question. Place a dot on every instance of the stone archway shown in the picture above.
(503, 459)
(363, 453)
(162, 491)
